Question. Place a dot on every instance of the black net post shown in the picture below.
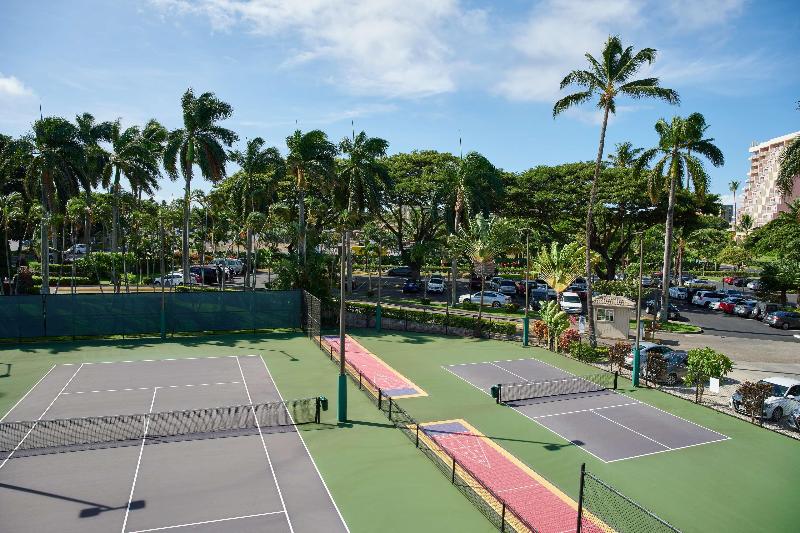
(317, 414)
(580, 498)
(380, 398)
(616, 377)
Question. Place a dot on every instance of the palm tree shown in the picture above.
(746, 224)
(607, 79)
(477, 180)
(560, 266)
(135, 154)
(11, 210)
(253, 186)
(482, 240)
(363, 176)
(91, 134)
(624, 155)
(790, 166)
(679, 141)
(310, 159)
(733, 186)
(200, 142)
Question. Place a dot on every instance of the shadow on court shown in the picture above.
(93, 508)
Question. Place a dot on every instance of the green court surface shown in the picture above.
(382, 483)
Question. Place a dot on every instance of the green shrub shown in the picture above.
(567, 339)
(65, 281)
(469, 306)
(587, 354)
(425, 301)
(511, 307)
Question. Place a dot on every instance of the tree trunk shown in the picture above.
(454, 262)
(666, 267)
(301, 216)
(114, 231)
(479, 324)
(589, 227)
(249, 258)
(187, 199)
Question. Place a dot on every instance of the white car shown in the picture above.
(494, 283)
(234, 265)
(706, 298)
(679, 293)
(571, 303)
(495, 299)
(754, 285)
(436, 284)
(507, 287)
(785, 398)
(699, 283)
(174, 279)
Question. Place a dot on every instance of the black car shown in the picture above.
(651, 307)
(209, 275)
(400, 271)
(762, 309)
(783, 319)
(410, 285)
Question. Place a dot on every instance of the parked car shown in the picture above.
(571, 303)
(206, 274)
(495, 299)
(676, 361)
(234, 266)
(794, 418)
(579, 284)
(410, 285)
(507, 286)
(728, 305)
(494, 283)
(679, 293)
(730, 280)
(653, 307)
(785, 398)
(436, 284)
(647, 281)
(521, 286)
(699, 283)
(783, 319)
(475, 283)
(733, 293)
(741, 282)
(74, 252)
(754, 285)
(744, 308)
(176, 278)
(401, 271)
(762, 309)
(705, 298)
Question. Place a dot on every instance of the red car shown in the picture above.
(728, 304)
(730, 280)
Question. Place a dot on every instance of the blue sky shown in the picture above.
(419, 73)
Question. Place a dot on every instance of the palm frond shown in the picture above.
(571, 101)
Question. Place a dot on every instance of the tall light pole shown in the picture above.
(378, 318)
(342, 319)
(636, 350)
(526, 320)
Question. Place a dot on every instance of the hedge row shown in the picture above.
(65, 281)
(723, 273)
(502, 327)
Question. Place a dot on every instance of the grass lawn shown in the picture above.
(670, 327)
(379, 480)
(713, 487)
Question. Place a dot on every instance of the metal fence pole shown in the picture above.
(416, 443)
(390, 407)
(503, 518)
(580, 499)
(453, 477)
(380, 398)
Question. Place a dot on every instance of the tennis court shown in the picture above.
(606, 424)
(256, 475)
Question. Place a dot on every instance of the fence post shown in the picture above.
(390, 407)
(616, 375)
(380, 398)
(453, 477)
(503, 519)
(417, 440)
(359, 380)
(580, 499)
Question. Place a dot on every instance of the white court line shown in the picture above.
(632, 430)
(306, 448)
(156, 387)
(264, 444)
(40, 417)
(668, 450)
(207, 522)
(154, 360)
(585, 410)
(465, 380)
(26, 394)
(510, 372)
(139, 461)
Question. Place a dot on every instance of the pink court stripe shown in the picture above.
(368, 364)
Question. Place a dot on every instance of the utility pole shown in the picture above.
(342, 319)
(526, 320)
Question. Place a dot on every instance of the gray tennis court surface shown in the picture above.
(608, 425)
(263, 480)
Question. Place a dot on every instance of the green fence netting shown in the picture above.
(80, 315)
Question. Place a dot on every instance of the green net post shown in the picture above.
(378, 318)
(342, 398)
(635, 369)
(525, 323)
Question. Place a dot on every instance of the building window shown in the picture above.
(605, 315)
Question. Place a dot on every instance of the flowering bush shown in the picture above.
(567, 337)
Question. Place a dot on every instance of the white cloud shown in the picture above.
(694, 14)
(12, 87)
(378, 47)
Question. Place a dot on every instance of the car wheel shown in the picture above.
(777, 414)
(495, 304)
(785, 325)
(672, 379)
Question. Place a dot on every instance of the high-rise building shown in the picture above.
(726, 213)
(761, 198)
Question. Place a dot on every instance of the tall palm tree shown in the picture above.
(624, 155)
(11, 210)
(91, 134)
(135, 154)
(679, 141)
(254, 185)
(559, 266)
(310, 160)
(482, 240)
(477, 181)
(363, 175)
(606, 79)
(733, 186)
(200, 142)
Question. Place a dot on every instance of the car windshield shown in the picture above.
(571, 299)
(777, 390)
(506, 283)
(436, 280)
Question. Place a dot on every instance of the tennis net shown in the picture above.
(79, 432)
(528, 390)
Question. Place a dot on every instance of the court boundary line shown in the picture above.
(130, 389)
(206, 522)
(314, 463)
(264, 445)
(33, 426)
(633, 430)
(156, 360)
(585, 410)
(668, 450)
(138, 461)
(29, 391)
(525, 380)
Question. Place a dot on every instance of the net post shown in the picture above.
(503, 519)
(580, 499)
(453, 475)
(616, 375)
(499, 392)
(317, 411)
(390, 407)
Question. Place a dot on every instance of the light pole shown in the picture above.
(342, 319)
(380, 282)
(526, 320)
(636, 351)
